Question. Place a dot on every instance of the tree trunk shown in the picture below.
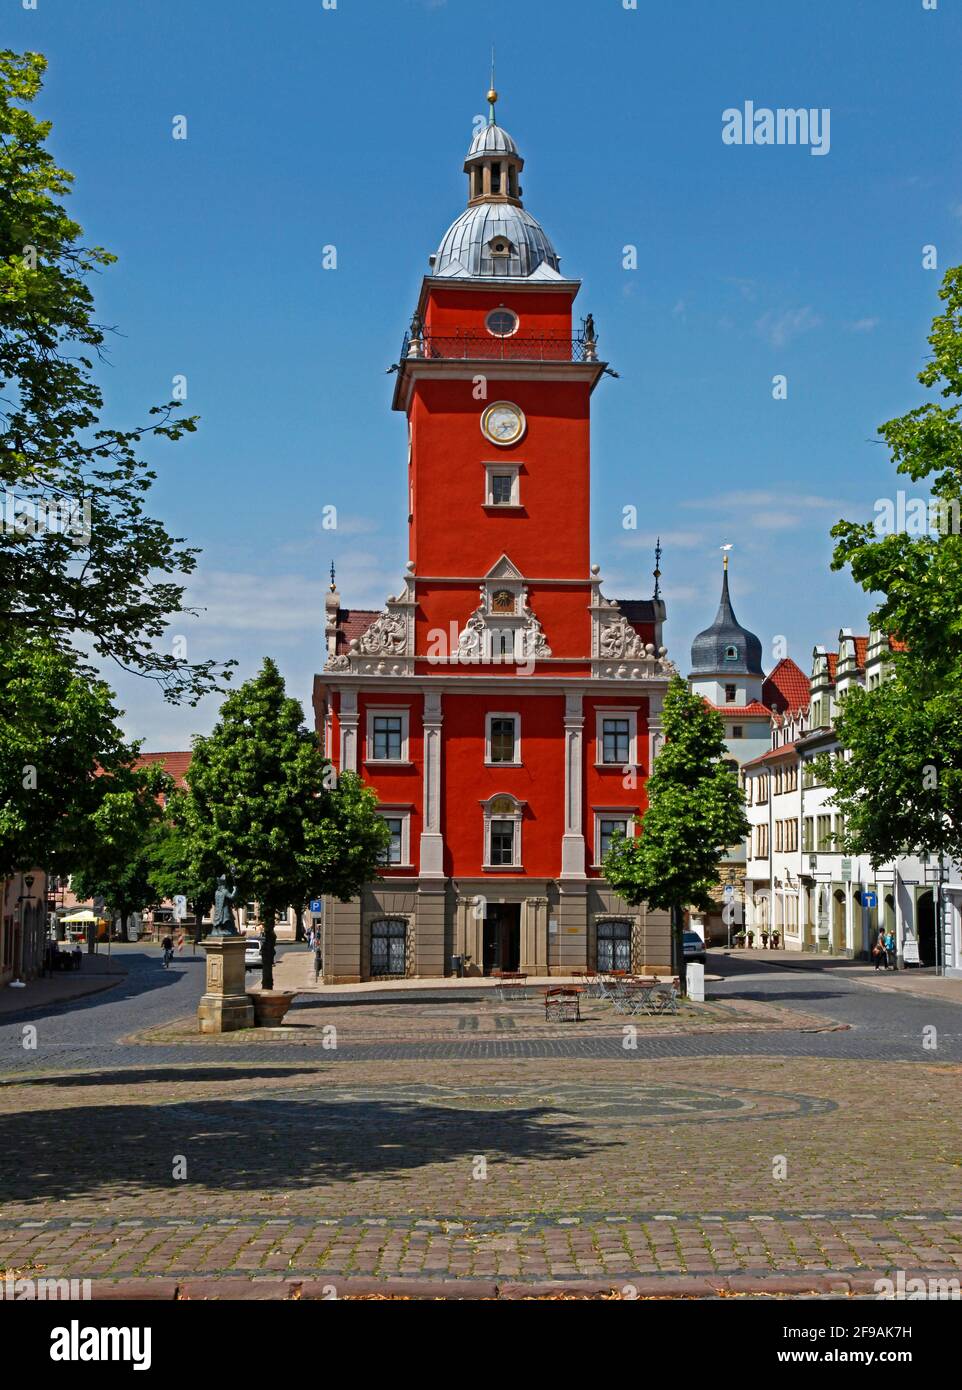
(268, 949)
(299, 933)
(678, 947)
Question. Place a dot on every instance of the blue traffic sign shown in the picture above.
(870, 900)
(317, 906)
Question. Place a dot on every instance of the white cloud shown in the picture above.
(780, 328)
(670, 540)
(737, 501)
(863, 325)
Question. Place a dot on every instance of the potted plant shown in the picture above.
(740, 939)
(764, 940)
(270, 1006)
(776, 937)
(751, 940)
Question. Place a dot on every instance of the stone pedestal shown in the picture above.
(225, 1006)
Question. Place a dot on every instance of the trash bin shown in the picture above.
(457, 965)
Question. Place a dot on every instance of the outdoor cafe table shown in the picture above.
(512, 985)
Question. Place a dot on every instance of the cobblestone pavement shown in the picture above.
(423, 1148)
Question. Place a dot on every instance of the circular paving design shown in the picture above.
(668, 1104)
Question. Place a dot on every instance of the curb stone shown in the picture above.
(282, 1288)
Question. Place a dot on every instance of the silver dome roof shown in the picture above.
(465, 249)
(491, 139)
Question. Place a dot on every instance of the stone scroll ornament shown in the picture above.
(387, 636)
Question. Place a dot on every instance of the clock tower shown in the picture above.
(505, 710)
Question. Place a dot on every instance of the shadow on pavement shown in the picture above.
(270, 1144)
(136, 1076)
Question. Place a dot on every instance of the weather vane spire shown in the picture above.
(333, 580)
(657, 570)
(492, 93)
(726, 549)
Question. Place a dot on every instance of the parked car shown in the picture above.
(693, 947)
(253, 960)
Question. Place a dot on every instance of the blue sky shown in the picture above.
(310, 127)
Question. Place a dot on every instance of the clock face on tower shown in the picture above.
(503, 423)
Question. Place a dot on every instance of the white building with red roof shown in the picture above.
(798, 881)
(726, 670)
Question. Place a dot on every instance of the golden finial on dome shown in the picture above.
(492, 93)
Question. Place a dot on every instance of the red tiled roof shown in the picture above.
(896, 646)
(861, 647)
(352, 623)
(771, 755)
(786, 687)
(755, 708)
(832, 663)
(176, 764)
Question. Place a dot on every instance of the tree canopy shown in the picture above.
(900, 785)
(82, 561)
(66, 770)
(695, 810)
(266, 807)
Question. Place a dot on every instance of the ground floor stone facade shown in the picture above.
(416, 928)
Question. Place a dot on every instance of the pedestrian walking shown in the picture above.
(879, 954)
(318, 959)
(891, 953)
(168, 948)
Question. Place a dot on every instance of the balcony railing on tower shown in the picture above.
(482, 347)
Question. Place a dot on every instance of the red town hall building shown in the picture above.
(505, 710)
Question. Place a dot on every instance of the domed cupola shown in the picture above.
(726, 646)
(494, 237)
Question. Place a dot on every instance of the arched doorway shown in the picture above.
(838, 922)
(925, 927)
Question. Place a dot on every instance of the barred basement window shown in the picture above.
(388, 941)
(614, 946)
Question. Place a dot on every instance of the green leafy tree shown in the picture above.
(899, 786)
(58, 730)
(85, 564)
(266, 807)
(171, 864)
(695, 810)
(116, 864)
(917, 574)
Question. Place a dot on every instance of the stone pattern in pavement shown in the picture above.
(654, 1169)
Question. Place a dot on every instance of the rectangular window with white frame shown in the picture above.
(616, 737)
(610, 824)
(398, 852)
(502, 739)
(502, 832)
(387, 735)
(502, 485)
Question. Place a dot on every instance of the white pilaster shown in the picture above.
(432, 842)
(348, 718)
(573, 843)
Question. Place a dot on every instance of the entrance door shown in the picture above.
(502, 937)
(838, 922)
(925, 927)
